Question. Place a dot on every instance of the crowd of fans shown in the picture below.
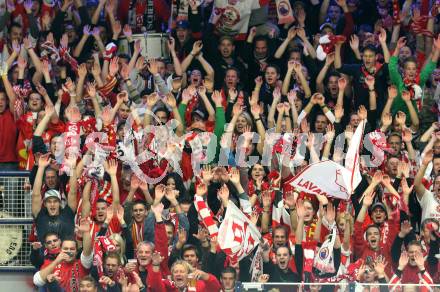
(127, 195)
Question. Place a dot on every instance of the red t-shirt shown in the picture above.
(8, 137)
(71, 274)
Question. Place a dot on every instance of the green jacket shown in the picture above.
(396, 79)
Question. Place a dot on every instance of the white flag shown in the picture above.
(326, 178)
(352, 158)
(237, 235)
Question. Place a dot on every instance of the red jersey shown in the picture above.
(8, 137)
(70, 274)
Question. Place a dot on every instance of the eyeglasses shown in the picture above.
(52, 241)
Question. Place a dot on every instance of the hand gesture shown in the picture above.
(400, 118)
(362, 112)
(301, 33)
(181, 236)
(202, 234)
(330, 215)
(330, 132)
(111, 167)
(406, 95)
(263, 278)
(197, 48)
(368, 199)
(49, 110)
(427, 157)
(280, 108)
(354, 42)
(382, 36)
(291, 33)
(405, 228)
(159, 192)
(234, 176)
(401, 42)
(82, 71)
(28, 6)
(156, 259)
(300, 210)
(370, 80)
(84, 225)
(266, 199)
(117, 28)
(223, 193)
(119, 214)
(292, 96)
(258, 81)
(330, 59)
(114, 66)
(53, 278)
(127, 31)
(403, 261)
(420, 260)
(290, 199)
(217, 98)
(237, 109)
(16, 46)
(22, 63)
(379, 265)
(27, 43)
(387, 120)
(277, 94)
(44, 160)
(86, 30)
(392, 91)
(201, 189)
(377, 177)
(403, 168)
(255, 110)
(45, 67)
(171, 44)
(406, 135)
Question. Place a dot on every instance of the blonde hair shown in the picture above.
(348, 220)
(183, 263)
(118, 238)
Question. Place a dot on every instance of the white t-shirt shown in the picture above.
(235, 15)
(430, 206)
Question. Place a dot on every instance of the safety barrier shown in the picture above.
(343, 287)
(15, 221)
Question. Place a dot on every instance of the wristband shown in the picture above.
(323, 106)
(371, 90)
(259, 119)
(286, 116)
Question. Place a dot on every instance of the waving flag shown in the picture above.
(329, 178)
(237, 235)
(352, 158)
(279, 214)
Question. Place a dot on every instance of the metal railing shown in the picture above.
(343, 287)
(15, 221)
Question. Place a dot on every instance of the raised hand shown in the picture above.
(234, 176)
(127, 31)
(428, 156)
(111, 167)
(403, 261)
(368, 199)
(223, 193)
(354, 42)
(156, 259)
(400, 118)
(387, 120)
(114, 66)
(159, 193)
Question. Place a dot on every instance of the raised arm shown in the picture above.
(321, 76)
(43, 162)
(418, 184)
(111, 167)
(72, 196)
(368, 196)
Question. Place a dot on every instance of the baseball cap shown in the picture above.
(326, 24)
(52, 194)
(182, 24)
(200, 113)
(378, 205)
